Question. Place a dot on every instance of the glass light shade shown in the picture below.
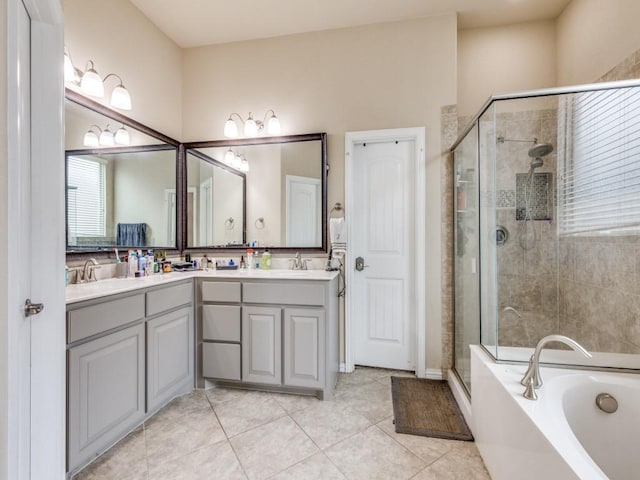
(250, 127)
(244, 165)
(237, 162)
(228, 157)
(91, 83)
(273, 126)
(106, 138)
(230, 129)
(121, 136)
(90, 139)
(69, 70)
(120, 98)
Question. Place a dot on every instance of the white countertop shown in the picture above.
(111, 286)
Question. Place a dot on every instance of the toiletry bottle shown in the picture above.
(250, 258)
(242, 264)
(256, 258)
(149, 264)
(266, 259)
(133, 263)
(142, 263)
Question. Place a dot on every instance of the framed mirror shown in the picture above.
(121, 181)
(283, 198)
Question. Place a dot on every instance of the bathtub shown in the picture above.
(562, 435)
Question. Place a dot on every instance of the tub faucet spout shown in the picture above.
(532, 379)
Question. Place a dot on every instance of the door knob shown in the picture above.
(32, 308)
(360, 264)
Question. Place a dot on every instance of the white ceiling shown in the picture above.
(192, 23)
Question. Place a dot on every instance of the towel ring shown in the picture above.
(228, 223)
(259, 223)
(337, 207)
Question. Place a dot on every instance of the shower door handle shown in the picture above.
(360, 264)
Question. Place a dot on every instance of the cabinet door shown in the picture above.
(304, 347)
(261, 345)
(169, 356)
(106, 392)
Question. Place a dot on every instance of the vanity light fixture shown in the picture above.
(236, 160)
(91, 83)
(105, 137)
(251, 126)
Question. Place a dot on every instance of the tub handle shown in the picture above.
(607, 403)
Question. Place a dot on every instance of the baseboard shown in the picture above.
(433, 374)
(461, 397)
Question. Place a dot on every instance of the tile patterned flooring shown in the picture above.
(232, 434)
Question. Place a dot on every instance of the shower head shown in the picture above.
(540, 150)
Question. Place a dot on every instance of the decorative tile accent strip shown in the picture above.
(541, 196)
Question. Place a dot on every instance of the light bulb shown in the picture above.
(121, 136)
(237, 162)
(228, 157)
(273, 126)
(91, 83)
(230, 129)
(90, 139)
(106, 138)
(244, 165)
(120, 98)
(250, 127)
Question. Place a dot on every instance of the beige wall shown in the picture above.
(119, 39)
(502, 60)
(380, 76)
(594, 36)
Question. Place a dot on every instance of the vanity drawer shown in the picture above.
(221, 291)
(221, 360)
(168, 298)
(94, 319)
(221, 322)
(284, 293)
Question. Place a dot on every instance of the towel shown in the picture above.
(132, 235)
(338, 234)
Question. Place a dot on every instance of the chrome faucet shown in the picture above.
(532, 379)
(298, 263)
(88, 270)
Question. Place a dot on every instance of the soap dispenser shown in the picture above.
(266, 260)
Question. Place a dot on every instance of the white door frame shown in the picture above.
(46, 438)
(417, 135)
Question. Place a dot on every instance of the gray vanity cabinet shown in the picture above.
(169, 355)
(287, 339)
(304, 352)
(106, 391)
(127, 355)
(261, 345)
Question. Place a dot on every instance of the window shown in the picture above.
(85, 198)
(599, 185)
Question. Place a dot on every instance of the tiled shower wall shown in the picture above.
(527, 278)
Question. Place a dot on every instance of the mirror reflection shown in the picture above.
(215, 202)
(121, 199)
(121, 181)
(284, 190)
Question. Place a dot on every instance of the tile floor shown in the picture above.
(232, 434)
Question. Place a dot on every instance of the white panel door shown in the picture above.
(303, 211)
(383, 289)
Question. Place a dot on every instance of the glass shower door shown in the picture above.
(465, 239)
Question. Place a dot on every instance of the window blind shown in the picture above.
(600, 181)
(86, 197)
